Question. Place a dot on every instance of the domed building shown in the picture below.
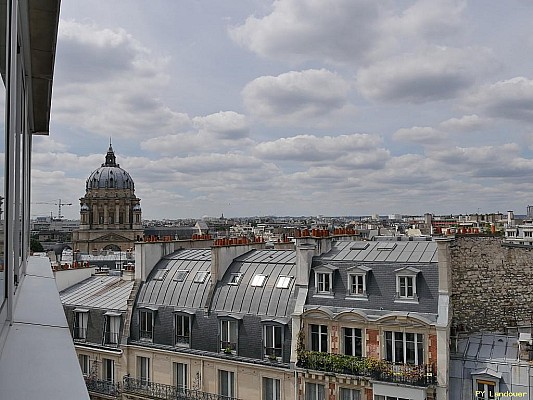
(110, 213)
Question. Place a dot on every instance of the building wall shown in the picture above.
(491, 284)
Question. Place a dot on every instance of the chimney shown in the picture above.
(223, 256)
(305, 249)
(510, 218)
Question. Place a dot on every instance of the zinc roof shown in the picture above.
(103, 292)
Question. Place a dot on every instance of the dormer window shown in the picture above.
(324, 280)
(234, 279)
(406, 284)
(357, 280)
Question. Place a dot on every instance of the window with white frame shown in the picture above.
(180, 376)
(146, 324)
(108, 370)
(406, 284)
(404, 347)
(182, 324)
(273, 341)
(112, 328)
(81, 319)
(271, 389)
(143, 370)
(352, 341)
(258, 280)
(349, 394)
(226, 383)
(357, 281)
(283, 282)
(85, 364)
(228, 335)
(324, 279)
(319, 337)
(485, 390)
(315, 391)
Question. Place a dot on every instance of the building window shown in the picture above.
(404, 347)
(380, 397)
(349, 394)
(528, 233)
(85, 364)
(273, 339)
(228, 336)
(357, 284)
(108, 370)
(234, 279)
(201, 276)
(143, 370)
(258, 280)
(271, 389)
(81, 318)
(180, 376)
(319, 338)
(314, 391)
(353, 342)
(406, 284)
(112, 329)
(283, 282)
(485, 390)
(183, 330)
(323, 282)
(226, 383)
(146, 325)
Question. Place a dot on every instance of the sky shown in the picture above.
(293, 107)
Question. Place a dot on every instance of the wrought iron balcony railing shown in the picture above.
(79, 333)
(166, 392)
(102, 387)
(146, 335)
(182, 340)
(111, 338)
(380, 370)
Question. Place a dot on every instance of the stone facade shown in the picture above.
(491, 284)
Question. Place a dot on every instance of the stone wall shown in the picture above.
(492, 285)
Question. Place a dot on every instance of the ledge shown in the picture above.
(38, 360)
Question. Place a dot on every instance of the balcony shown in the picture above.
(97, 386)
(146, 335)
(79, 333)
(111, 339)
(379, 370)
(153, 390)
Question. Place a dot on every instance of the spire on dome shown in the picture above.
(110, 159)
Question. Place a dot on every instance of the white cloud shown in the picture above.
(224, 125)
(434, 74)
(466, 123)
(422, 135)
(509, 99)
(295, 96)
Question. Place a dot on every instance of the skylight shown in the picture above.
(283, 282)
(201, 276)
(359, 246)
(181, 275)
(235, 278)
(386, 246)
(160, 274)
(258, 280)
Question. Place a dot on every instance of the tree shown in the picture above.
(36, 246)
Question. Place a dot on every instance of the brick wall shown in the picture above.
(372, 343)
(491, 284)
(432, 342)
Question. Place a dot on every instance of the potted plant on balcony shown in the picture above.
(228, 351)
(272, 358)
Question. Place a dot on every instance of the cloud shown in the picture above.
(108, 84)
(466, 123)
(436, 73)
(296, 96)
(327, 30)
(308, 148)
(225, 130)
(422, 135)
(509, 99)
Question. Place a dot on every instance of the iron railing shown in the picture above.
(102, 387)
(146, 335)
(79, 333)
(182, 340)
(111, 338)
(166, 392)
(380, 370)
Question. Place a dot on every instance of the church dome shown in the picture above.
(110, 175)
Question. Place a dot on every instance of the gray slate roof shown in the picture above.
(102, 292)
(171, 292)
(407, 252)
(267, 300)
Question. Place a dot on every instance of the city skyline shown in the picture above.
(293, 108)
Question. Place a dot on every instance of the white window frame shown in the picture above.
(229, 378)
(269, 336)
(271, 388)
(183, 321)
(181, 376)
(283, 282)
(85, 364)
(322, 332)
(418, 339)
(344, 331)
(324, 280)
(145, 325)
(108, 370)
(143, 370)
(358, 272)
(112, 328)
(81, 323)
(403, 277)
(315, 391)
(485, 390)
(228, 329)
(258, 280)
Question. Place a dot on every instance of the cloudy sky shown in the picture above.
(294, 107)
